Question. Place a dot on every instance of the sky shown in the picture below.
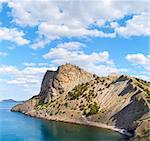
(100, 36)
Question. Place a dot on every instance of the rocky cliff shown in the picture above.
(73, 95)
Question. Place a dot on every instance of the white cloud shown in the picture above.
(98, 63)
(71, 45)
(57, 31)
(8, 69)
(20, 83)
(43, 64)
(100, 23)
(39, 44)
(57, 19)
(72, 13)
(29, 64)
(144, 76)
(137, 26)
(3, 54)
(26, 78)
(140, 59)
(13, 35)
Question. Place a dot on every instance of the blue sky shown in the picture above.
(101, 36)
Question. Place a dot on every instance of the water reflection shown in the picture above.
(59, 131)
(19, 127)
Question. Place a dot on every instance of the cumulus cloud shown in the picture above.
(57, 19)
(71, 45)
(40, 44)
(79, 13)
(28, 77)
(13, 35)
(137, 26)
(21, 83)
(58, 31)
(98, 63)
(8, 69)
(140, 59)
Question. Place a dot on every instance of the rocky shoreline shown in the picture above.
(70, 94)
(82, 122)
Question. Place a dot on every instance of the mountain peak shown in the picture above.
(62, 80)
(73, 95)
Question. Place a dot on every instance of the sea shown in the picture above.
(16, 126)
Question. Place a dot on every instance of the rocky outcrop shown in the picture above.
(142, 132)
(61, 81)
(74, 95)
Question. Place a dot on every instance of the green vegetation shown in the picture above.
(81, 107)
(145, 135)
(40, 106)
(143, 85)
(108, 86)
(147, 95)
(93, 109)
(143, 82)
(90, 95)
(140, 85)
(103, 110)
(78, 91)
(66, 104)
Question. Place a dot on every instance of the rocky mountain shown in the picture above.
(71, 94)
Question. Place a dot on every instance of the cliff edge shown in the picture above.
(71, 94)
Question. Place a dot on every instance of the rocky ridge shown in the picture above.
(71, 94)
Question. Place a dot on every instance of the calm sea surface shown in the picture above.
(19, 127)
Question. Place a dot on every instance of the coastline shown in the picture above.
(87, 123)
(94, 124)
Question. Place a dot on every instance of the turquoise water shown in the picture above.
(19, 127)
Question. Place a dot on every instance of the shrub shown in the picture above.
(66, 104)
(90, 95)
(81, 107)
(147, 95)
(77, 91)
(84, 112)
(94, 108)
(108, 86)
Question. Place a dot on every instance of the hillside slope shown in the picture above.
(73, 95)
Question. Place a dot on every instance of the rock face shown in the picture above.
(74, 95)
(61, 81)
